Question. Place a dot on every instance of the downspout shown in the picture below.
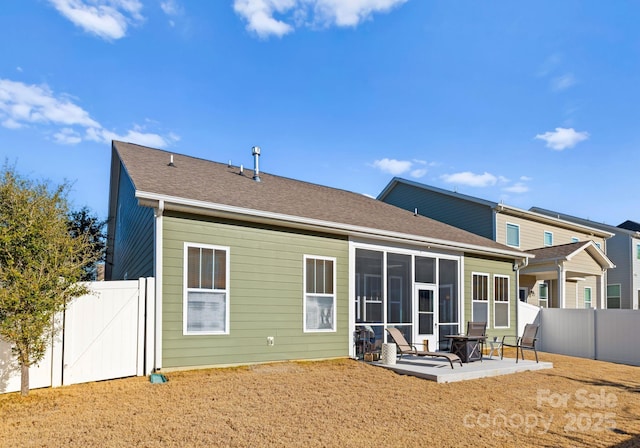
(516, 267)
(561, 285)
(603, 291)
(158, 213)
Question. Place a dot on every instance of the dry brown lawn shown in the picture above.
(335, 403)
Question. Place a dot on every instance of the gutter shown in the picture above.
(526, 214)
(147, 199)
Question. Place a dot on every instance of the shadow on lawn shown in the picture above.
(630, 443)
(604, 383)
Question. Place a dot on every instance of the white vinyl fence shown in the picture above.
(606, 335)
(102, 337)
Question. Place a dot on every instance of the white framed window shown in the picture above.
(548, 239)
(613, 296)
(638, 251)
(543, 295)
(480, 298)
(575, 239)
(206, 289)
(501, 301)
(587, 297)
(513, 235)
(319, 305)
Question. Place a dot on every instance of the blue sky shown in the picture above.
(535, 103)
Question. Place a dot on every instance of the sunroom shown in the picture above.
(416, 291)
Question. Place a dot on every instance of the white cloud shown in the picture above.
(562, 138)
(526, 178)
(518, 187)
(23, 105)
(415, 168)
(393, 166)
(260, 14)
(67, 136)
(351, 12)
(132, 136)
(471, 179)
(108, 19)
(563, 82)
(172, 9)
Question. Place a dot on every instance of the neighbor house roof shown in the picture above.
(565, 252)
(630, 225)
(196, 185)
(498, 207)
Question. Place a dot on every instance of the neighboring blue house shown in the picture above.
(570, 262)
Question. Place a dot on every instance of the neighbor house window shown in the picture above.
(319, 294)
(638, 251)
(587, 297)
(480, 298)
(513, 235)
(206, 294)
(575, 239)
(500, 301)
(543, 297)
(548, 239)
(613, 296)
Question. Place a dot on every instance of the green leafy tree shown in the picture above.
(40, 265)
(85, 223)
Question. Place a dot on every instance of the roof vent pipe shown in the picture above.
(255, 151)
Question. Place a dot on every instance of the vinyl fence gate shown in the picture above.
(106, 334)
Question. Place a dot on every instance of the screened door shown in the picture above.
(426, 317)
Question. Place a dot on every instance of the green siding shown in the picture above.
(133, 244)
(492, 267)
(266, 294)
(470, 216)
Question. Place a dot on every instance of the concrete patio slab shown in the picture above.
(440, 371)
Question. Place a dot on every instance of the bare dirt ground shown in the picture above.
(335, 403)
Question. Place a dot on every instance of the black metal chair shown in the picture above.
(478, 329)
(525, 342)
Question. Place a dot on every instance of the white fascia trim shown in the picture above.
(551, 220)
(590, 246)
(213, 209)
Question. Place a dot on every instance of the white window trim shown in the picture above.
(506, 235)
(588, 288)
(540, 299)
(544, 238)
(489, 292)
(304, 295)
(508, 302)
(186, 290)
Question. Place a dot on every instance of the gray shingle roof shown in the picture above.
(630, 225)
(566, 251)
(216, 183)
(557, 252)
